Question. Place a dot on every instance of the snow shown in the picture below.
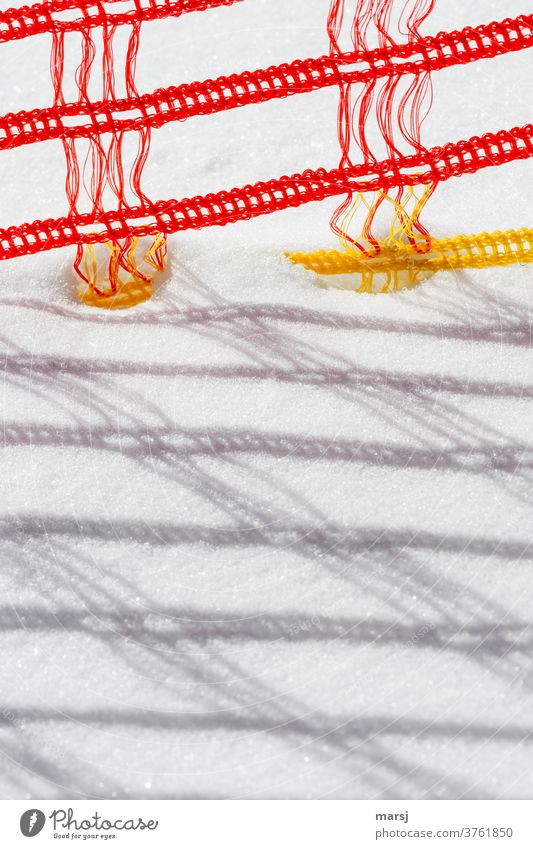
(260, 538)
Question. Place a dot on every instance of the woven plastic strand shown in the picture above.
(203, 98)
(480, 250)
(452, 160)
(50, 16)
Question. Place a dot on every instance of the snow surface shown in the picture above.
(261, 538)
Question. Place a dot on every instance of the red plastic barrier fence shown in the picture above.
(225, 207)
(179, 103)
(398, 115)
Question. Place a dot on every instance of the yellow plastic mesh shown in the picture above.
(402, 266)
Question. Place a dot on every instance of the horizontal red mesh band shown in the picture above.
(202, 98)
(53, 16)
(225, 207)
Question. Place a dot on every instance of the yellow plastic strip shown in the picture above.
(403, 265)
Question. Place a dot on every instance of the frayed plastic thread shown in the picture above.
(130, 272)
(387, 113)
(120, 275)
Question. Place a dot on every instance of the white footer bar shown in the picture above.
(268, 824)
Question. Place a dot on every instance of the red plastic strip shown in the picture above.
(54, 15)
(225, 207)
(203, 98)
